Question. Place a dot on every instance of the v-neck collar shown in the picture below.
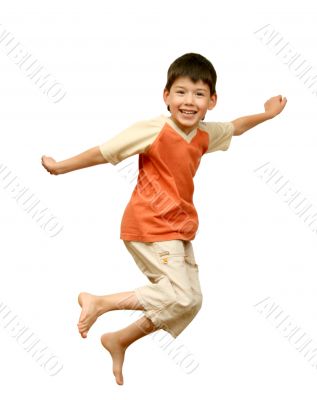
(188, 137)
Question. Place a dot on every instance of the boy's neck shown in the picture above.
(180, 128)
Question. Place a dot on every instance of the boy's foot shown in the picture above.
(111, 342)
(91, 310)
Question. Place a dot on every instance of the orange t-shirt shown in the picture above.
(161, 206)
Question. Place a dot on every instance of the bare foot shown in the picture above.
(91, 310)
(111, 342)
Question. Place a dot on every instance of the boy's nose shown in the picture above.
(188, 99)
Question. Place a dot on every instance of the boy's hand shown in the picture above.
(274, 106)
(50, 165)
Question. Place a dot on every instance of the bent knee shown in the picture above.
(188, 303)
(197, 303)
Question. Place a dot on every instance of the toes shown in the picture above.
(82, 330)
(119, 377)
(83, 316)
(83, 334)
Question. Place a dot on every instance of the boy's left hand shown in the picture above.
(274, 105)
(50, 165)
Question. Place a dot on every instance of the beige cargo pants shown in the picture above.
(173, 297)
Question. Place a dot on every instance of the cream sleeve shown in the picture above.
(220, 135)
(135, 139)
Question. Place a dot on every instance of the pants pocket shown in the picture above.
(191, 261)
(172, 250)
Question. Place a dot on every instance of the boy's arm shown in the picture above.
(86, 159)
(272, 107)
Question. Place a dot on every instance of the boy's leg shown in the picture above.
(94, 306)
(117, 343)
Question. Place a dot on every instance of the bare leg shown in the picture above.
(94, 306)
(117, 342)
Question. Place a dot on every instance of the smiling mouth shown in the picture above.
(188, 112)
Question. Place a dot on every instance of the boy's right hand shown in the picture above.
(275, 105)
(50, 165)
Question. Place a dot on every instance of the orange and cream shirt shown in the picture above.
(161, 205)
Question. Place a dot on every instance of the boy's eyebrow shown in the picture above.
(182, 87)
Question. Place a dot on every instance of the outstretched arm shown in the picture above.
(86, 159)
(272, 107)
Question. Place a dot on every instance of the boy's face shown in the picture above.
(189, 102)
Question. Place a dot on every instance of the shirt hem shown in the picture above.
(108, 156)
(155, 238)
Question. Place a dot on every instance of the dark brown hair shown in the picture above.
(194, 66)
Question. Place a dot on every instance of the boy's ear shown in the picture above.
(165, 96)
(212, 101)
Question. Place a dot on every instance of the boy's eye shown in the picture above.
(182, 92)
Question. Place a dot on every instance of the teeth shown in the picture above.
(188, 112)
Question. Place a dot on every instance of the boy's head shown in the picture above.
(190, 90)
(194, 66)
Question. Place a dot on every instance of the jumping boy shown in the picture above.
(160, 220)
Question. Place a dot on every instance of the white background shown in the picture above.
(112, 59)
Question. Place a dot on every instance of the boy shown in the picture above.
(160, 220)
